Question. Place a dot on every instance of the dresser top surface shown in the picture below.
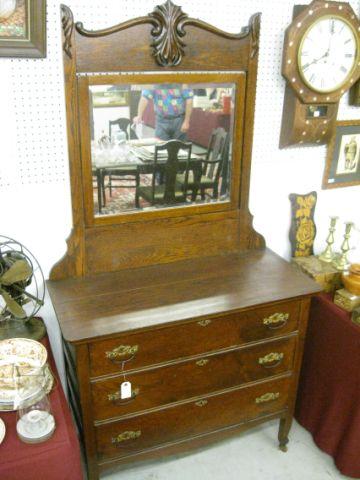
(110, 303)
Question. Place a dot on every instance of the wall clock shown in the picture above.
(321, 61)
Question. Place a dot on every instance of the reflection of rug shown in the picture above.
(121, 199)
(15, 25)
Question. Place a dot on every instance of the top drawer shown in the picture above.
(151, 347)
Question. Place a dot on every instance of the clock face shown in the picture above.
(328, 54)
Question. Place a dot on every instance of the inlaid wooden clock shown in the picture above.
(321, 61)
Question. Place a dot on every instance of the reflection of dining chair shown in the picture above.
(124, 126)
(212, 167)
(124, 176)
(169, 192)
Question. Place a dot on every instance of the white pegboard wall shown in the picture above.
(38, 103)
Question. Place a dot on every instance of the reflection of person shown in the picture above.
(173, 107)
(350, 151)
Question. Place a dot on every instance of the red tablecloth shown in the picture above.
(56, 459)
(328, 404)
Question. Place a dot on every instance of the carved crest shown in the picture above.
(168, 22)
(168, 33)
(67, 21)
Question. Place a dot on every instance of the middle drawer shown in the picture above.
(171, 383)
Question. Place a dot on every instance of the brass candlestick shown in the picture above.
(328, 255)
(341, 263)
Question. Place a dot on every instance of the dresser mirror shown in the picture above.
(129, 164)
(139, 197)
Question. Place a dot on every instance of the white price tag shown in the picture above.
(125, 390)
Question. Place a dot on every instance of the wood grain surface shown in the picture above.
(192, 418)
(104, 305)
(178, 381)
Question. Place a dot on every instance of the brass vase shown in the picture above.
(351, 279)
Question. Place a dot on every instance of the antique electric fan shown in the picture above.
(22, 292)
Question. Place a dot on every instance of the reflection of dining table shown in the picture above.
(139, 160)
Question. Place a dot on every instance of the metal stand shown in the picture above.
(34, 328)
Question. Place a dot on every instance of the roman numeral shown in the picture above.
(343, 69)
(349, 55)
(347, 41)
(312, 78)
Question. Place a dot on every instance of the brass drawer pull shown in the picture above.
(267, 397)
(201, 403)
(123, 437)
(277, 320)
(273, 358)
(116, 397)
(202, 362)
(122, 351)
(204, 323)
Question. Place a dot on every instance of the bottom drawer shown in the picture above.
(213, 412)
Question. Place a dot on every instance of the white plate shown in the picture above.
(31, 397)
(25, 353)
(2, 430)
(21, 362)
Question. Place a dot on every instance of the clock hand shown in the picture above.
(332, 32)
(316, 60)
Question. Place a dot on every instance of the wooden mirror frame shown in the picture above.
(166, 42)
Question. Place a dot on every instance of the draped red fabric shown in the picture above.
(57, 458)
(328, 403)
(202, 123)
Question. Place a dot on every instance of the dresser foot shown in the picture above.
(283, 436)
(283, 448)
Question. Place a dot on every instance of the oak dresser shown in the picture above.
(183, 305)
(204, 360)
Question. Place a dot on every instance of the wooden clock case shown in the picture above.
(309, 117)
(206, 323)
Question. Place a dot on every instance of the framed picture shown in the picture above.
(343, 156)
(109, 96)
(23, 28)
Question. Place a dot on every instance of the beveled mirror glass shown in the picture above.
(137, 163)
